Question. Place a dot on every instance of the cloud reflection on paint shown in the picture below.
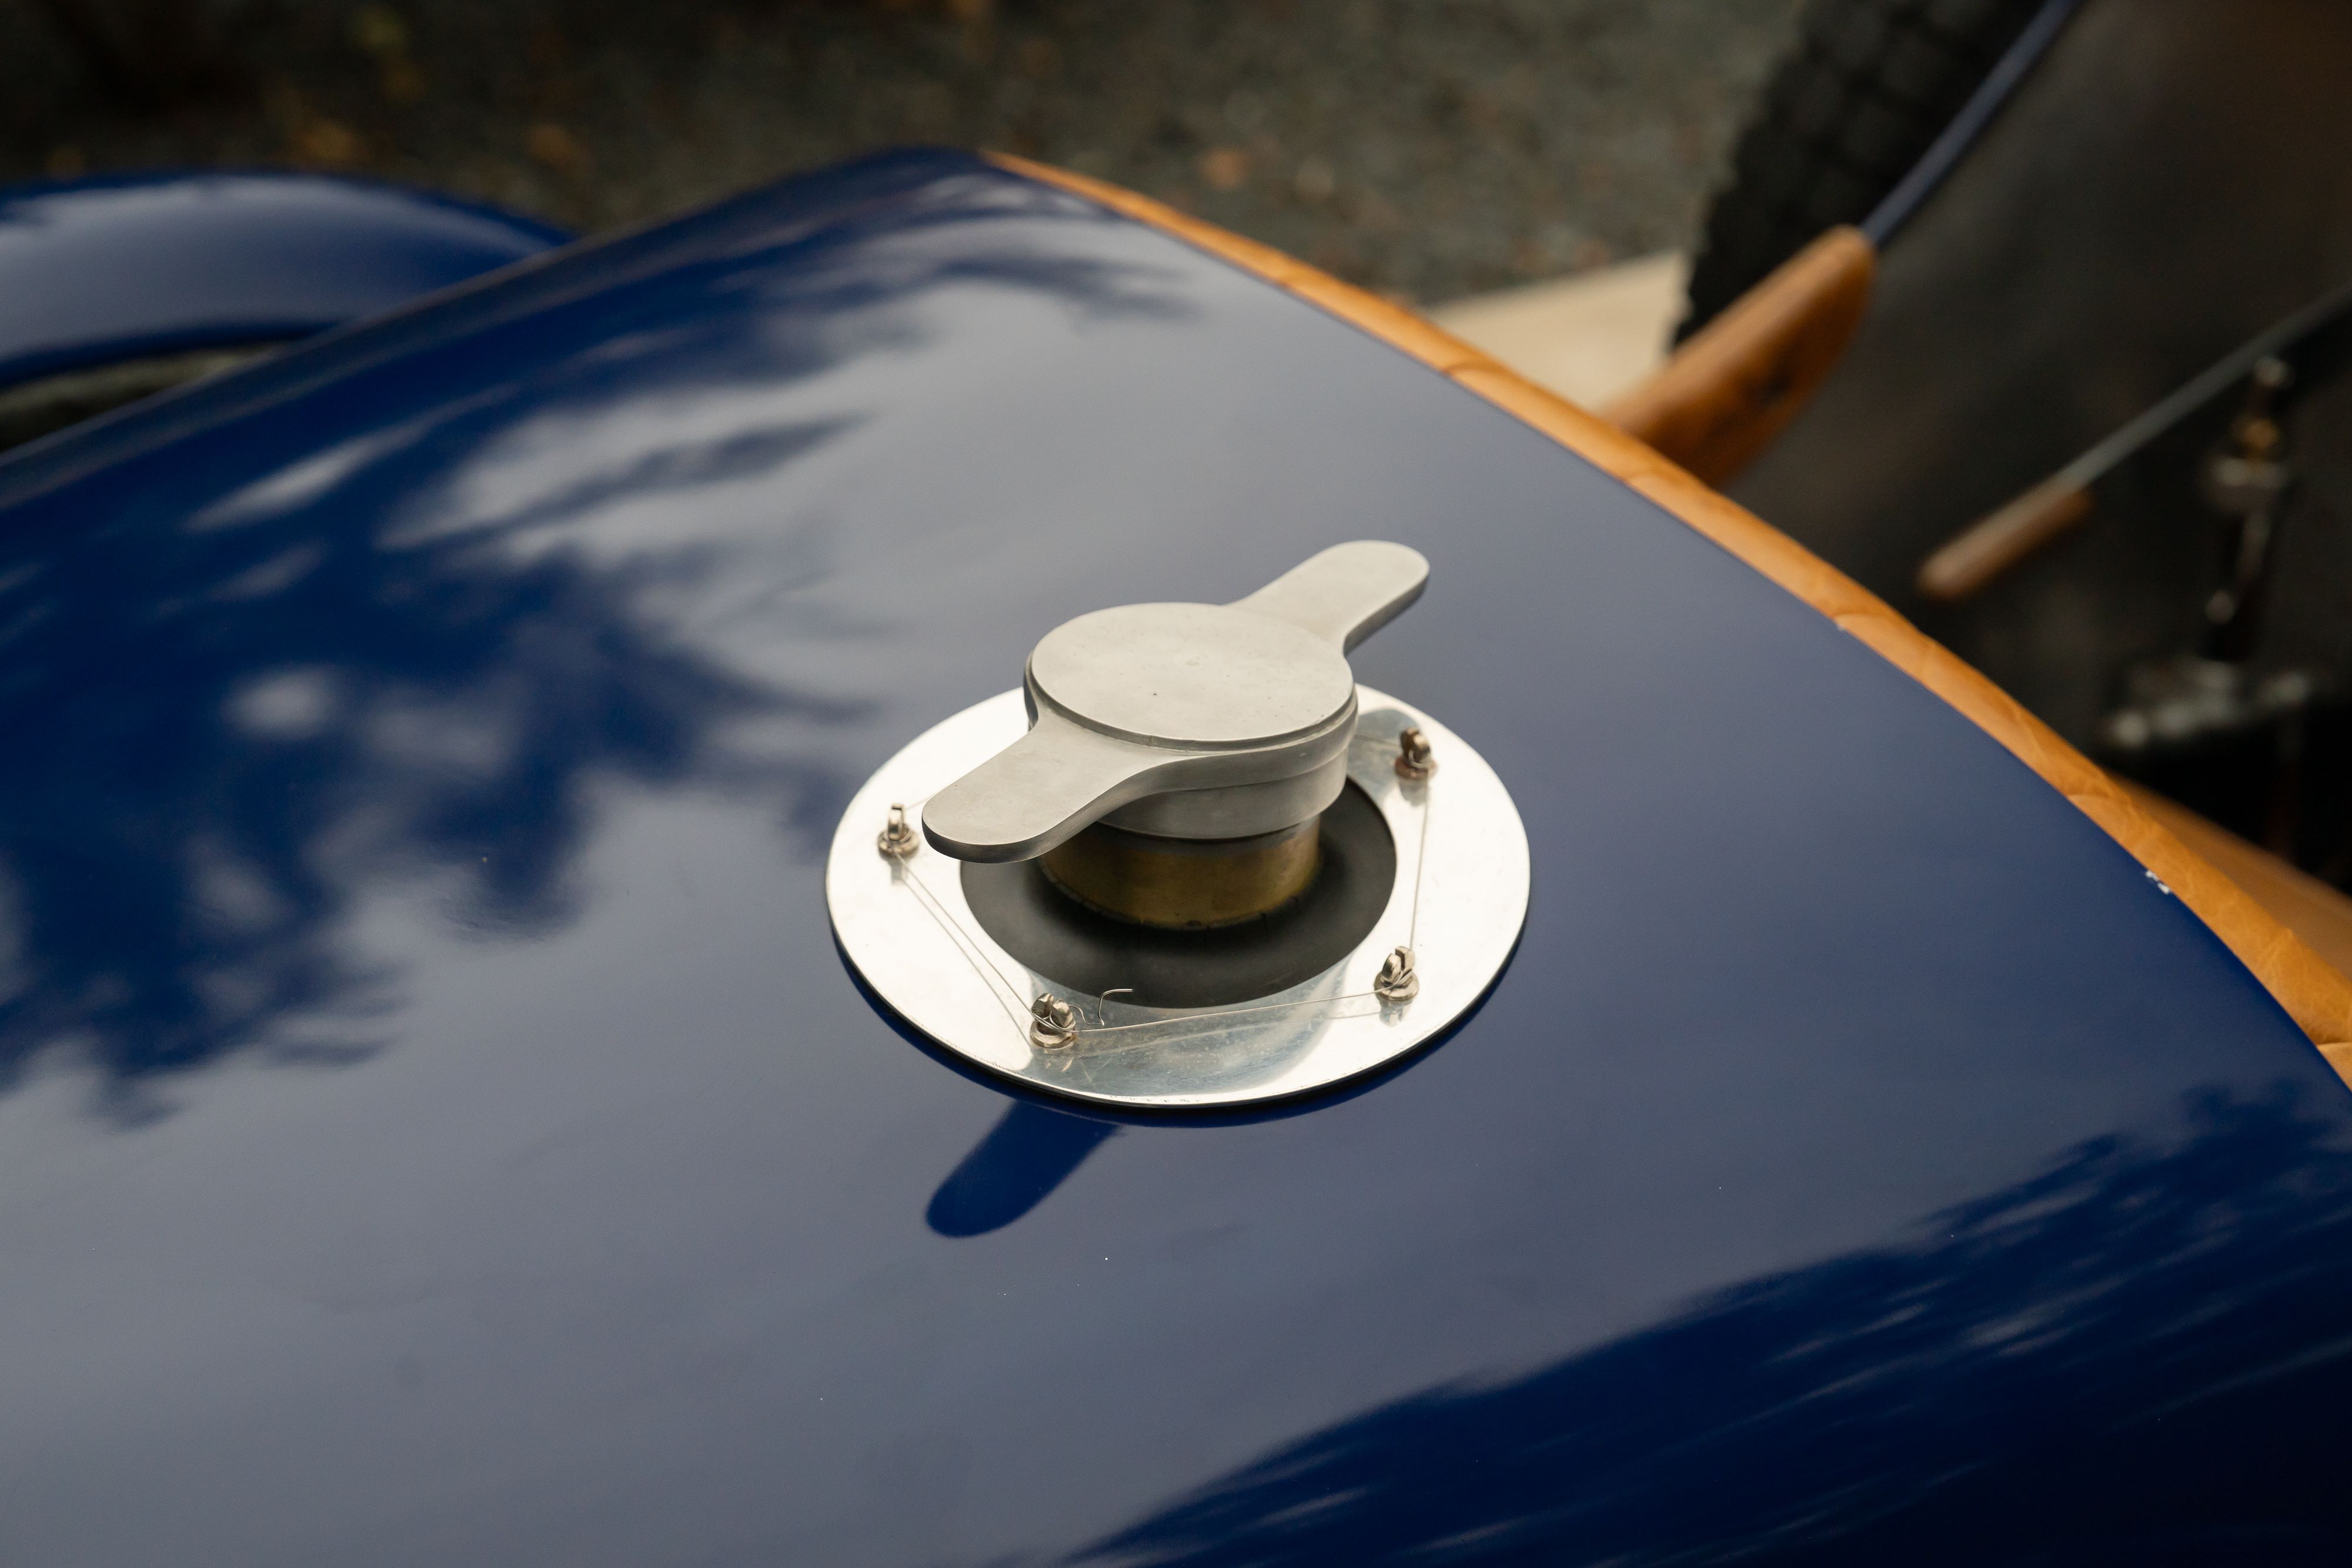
(307, 632)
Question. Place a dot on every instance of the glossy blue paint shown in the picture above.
(123, 266)
(439, 1125)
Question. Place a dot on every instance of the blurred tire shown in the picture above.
(1870, 84)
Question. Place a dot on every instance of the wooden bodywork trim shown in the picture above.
(2317, 997)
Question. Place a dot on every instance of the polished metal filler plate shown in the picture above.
(1190, 862)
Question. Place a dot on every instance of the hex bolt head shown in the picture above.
(1053, 1022)
(897, 838)
(1413, 759)
(1398, 982)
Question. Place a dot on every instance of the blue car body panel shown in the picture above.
(439, 1126)
(97, 270)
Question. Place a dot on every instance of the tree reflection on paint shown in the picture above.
(2085, 1368)
(256, 658)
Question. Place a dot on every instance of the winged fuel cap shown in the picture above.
(1189, 860)
(1217, 722)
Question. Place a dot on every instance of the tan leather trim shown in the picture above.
(1739, 380)
(2317, 996)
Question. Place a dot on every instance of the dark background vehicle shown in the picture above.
(2158, 193)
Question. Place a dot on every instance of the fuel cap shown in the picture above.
(1191, 721)
(1189, 860)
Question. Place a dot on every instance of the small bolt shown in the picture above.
(1053, 1022)
(1413, 759)
(1398, 980)
(898, 839)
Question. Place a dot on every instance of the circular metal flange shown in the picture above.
(1454, 914)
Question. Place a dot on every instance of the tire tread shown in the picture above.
(1868, 88)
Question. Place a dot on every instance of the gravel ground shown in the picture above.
(1427, 148)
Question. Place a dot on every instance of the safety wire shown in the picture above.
(1420, 859)
(975, 952)
(999, 983)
